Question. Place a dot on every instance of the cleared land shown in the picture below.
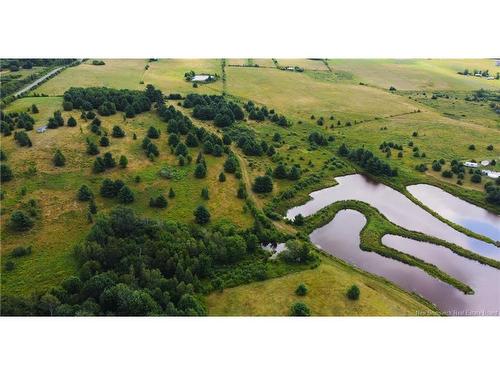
(327, 286)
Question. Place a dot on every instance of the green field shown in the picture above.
(359, 115)
(327, 286)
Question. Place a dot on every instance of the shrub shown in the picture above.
(104, 141)
(300, 309)
(153, 132)
(222, 177)
(472, 147)
(5, 173)
(298, 220)
(353, 292)
(476, 178)
(21, 251)
(301, 290)
(263, 184)
(20, 221)
(447, 174)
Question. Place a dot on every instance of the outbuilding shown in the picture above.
(471, 164)
(41, 129)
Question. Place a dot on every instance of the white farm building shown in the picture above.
(471, 164)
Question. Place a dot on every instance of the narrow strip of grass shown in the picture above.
(378, 225)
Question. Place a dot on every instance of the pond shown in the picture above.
(395, 206)
(467, 215)
(340, 238)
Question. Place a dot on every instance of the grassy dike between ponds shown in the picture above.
(377, 226)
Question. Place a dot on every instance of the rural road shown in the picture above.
(37, 81)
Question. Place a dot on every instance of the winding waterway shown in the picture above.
(340, 237)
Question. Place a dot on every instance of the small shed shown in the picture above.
(41, 129)
(485, 163)
(471, 164)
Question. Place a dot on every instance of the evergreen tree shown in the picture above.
(98, 166)
(104, 141)
(92, 148)
(204, 193)
(92, 206)
(109, 161)
(71, 122)
(5, 173)
(125, 195)
(34, 108)
(230, 165)
(84, 193)
(294, 173)
(353, 292)
(200, 171)
(202, 216)
(153, 133)
(171, 193)
(280, 172)
(123, 161)
(222, 177)
(59, 160)
(117, 132)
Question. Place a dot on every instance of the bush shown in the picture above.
(476, 178)
(301, 290)
(5, 173)
(21, 251)
(447, 174)
(222, 177)
(300, 309)
(353, 292)
(20, 221)
(159, 202)
(472, 147)
(263, 184)
(298, 220)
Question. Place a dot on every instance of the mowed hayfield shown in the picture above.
(422, 74)
(299, 95)
(64, 219)
(307, 64)
(327, 286)
(165, 74)
(116, 73)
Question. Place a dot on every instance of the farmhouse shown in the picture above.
(471, 164)
(41, 129)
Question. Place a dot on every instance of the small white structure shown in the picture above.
(290, 68)
(485, 163)
(491, 174)
(490, 78)
(201, 78)
(41, 129)
(497, 63)
(470, 164)
(478, 75)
